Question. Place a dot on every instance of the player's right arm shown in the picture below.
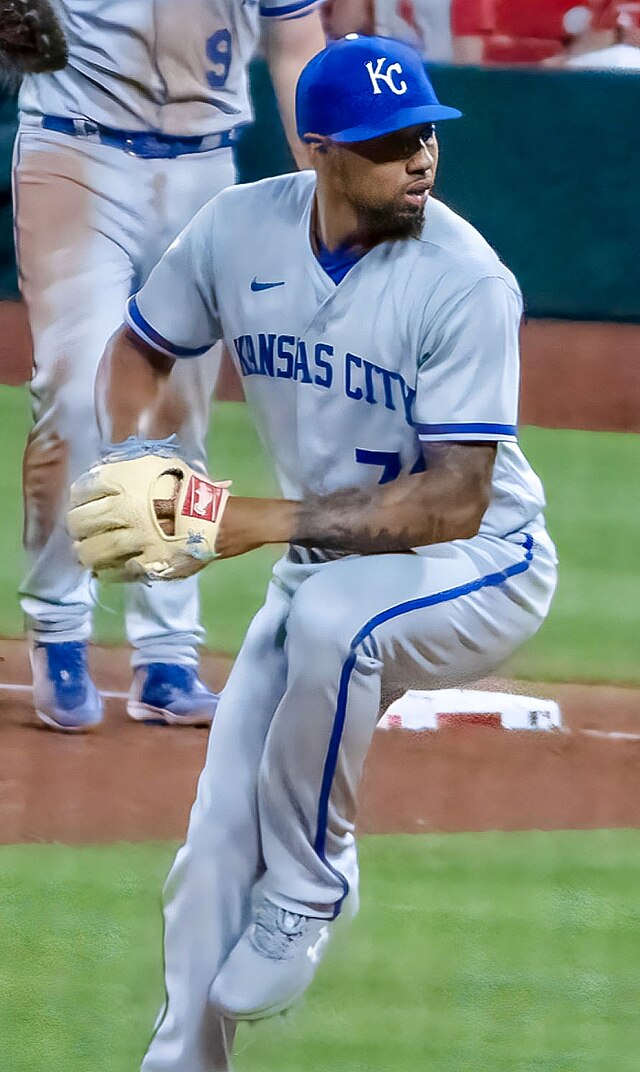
(173, 316)
(131, 383)
(142, 513)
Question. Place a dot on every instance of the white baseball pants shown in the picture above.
(276, 800)
(91, 221)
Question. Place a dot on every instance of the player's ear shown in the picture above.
(316, 142)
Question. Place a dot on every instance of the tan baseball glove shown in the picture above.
(146, 518)
(31, 38)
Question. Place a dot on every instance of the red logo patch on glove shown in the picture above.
(202, 500)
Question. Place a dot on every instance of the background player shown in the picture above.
(115, 153)
(377, 335)
(425, 24)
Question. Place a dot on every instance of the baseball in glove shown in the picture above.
(147, 518)
(32, 40)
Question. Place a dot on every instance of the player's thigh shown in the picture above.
(74, 269)
(473, 619)
(71, 222)
(195, 179)
(180, 188)
(448, 615)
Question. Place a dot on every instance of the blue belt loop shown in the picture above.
(149, 145)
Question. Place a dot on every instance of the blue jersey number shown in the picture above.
(389, 461)
(219, 51)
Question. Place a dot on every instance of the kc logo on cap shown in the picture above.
(360, 88)
(379, 75)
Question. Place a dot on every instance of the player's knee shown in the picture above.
(321, 618)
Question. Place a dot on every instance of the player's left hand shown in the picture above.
(32, 40)
(146, 518)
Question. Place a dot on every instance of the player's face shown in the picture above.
(387, 180)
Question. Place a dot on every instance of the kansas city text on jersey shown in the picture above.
(289, 358)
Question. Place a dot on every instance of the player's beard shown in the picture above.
(391, 221)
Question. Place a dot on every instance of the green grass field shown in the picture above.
(593, 514)
(472, 953)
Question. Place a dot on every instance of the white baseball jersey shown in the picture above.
(418, 342)
(141, 65)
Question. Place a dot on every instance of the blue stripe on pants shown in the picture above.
(490, 580)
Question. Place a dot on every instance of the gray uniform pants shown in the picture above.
(276, 800)
(91, 221)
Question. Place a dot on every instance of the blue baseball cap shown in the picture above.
(360, 88)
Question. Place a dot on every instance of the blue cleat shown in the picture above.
(64, 696)
(168, 692)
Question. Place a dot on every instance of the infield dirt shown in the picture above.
(135, 782)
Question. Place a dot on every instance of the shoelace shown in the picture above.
(277, 933)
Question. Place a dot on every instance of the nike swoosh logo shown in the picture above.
(256, 286)
(314, 952)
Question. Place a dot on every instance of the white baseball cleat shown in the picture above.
(271, 965)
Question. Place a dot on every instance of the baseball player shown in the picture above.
(377, 336)
(116, 151)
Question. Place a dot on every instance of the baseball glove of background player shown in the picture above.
(32, 40)
(148, 518)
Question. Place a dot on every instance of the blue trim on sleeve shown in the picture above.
(288, 9)
(154, 338)
(489, 580)
(467, 429)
